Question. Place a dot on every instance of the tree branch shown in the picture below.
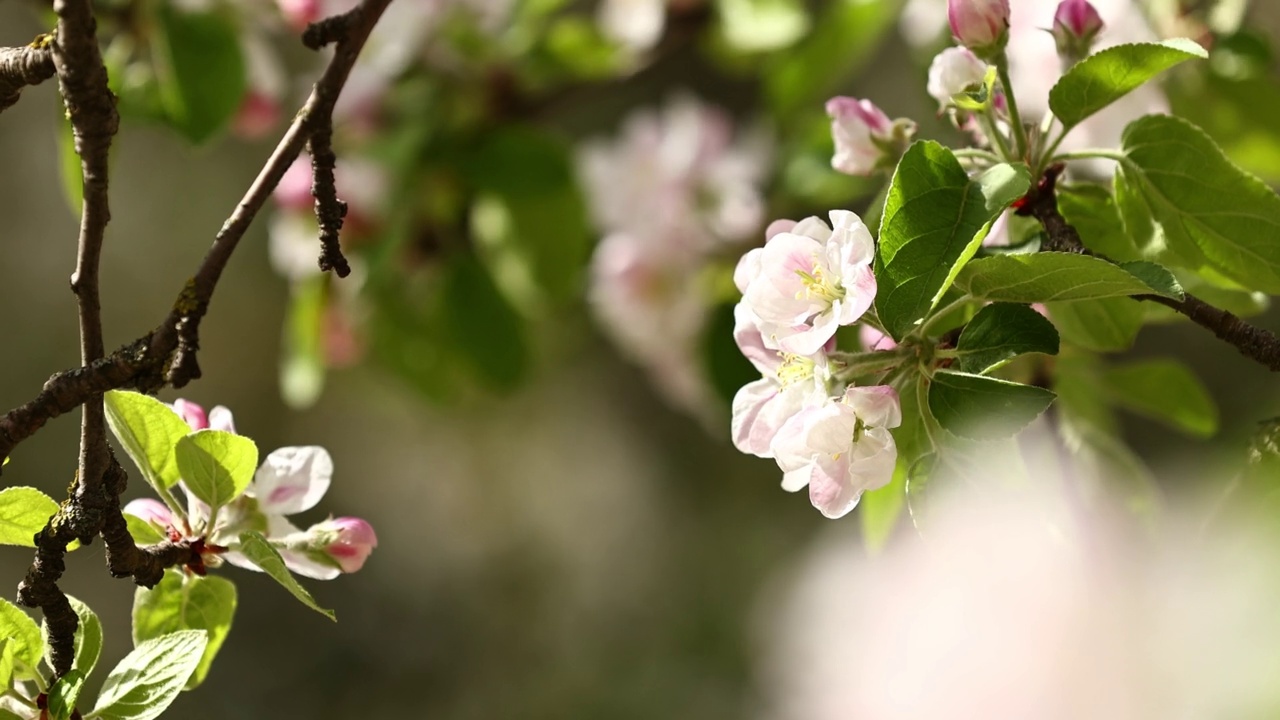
(1255, 343)
(20, 67)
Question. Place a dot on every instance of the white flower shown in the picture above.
(840, 449)
(952, 72)
(789, 383)
(805, 283)
(637, 24)
(861, 131)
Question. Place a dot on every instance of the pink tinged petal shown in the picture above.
(152, 511)
(873, 339)
(778, 294)
(777, 227)
(811, 339)
(856, 125)
(748, 403)
(876, 405)
(833, 498)
(292, 479)
(235, 557)
(258, 115)
(812, 227)
(851, 243)
(192, 413)
(859, 295)
(355, 542)
(294, 190)
(220, 418)
(748, 267)
(952, 71)
(872, 461)
(796, 480)
(301, 564)
(751, 342)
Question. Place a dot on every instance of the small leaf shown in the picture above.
(64, 694)
(1110, 74)
(984, 408)
(1164, 390)
(260, 552)
(1002, 331)
(1212, 212)
(88, 638)
(22, 633)
(143, 532)
(1093, 212)
(217, 466)
(148, 430)
(24, 512)
(199, 68)
(1103, 325)
(148, 679)
(186, 602)
(934, 220)
(1055, 276)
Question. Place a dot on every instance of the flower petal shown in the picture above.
(292, 479)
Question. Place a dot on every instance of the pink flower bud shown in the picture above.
(353, 543)
(192, 413)
(861, 131)
(980, 25)
(299, 13)
(1075, 25)
(152, 511)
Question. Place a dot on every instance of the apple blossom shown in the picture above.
(840, 449)
(805, 283)
(1075, 24)
(151, 511)
(347, 540)
(789, 383)
(980, 25)
(954, 71)
(862, 134)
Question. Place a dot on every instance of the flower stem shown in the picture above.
(1091, 153)
(1015, 119)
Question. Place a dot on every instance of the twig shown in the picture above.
(20, 67)
(1255, 343)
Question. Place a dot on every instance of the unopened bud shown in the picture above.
(980, 25)
(1075, 25)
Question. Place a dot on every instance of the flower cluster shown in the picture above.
(673, 192)
(808, 280)
(291, 480)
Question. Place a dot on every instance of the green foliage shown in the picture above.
(1102, 325)
(1092, 210)
(486, 330)
(182, 601)
(22, 645)
(1110, 74)
(216, 465)
(935, 218)
(1164, 390)
(1211, 212)
(761, 25)
(64, 694)
(148, 430)
(984, 408)
(88, 638)
(260, 552)
(142, 532)
(881, 508)
(302, 367)
(24, 511)
(148, 679)
(999, 333)
(1054, 276)
(199, 69)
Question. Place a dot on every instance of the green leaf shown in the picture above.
(23, 636)
(199, 68)
(148, 430)
(1103, 325)
(69, 166)
(880, 509)
(1110, 74)
(1211, 211)
(1002, 331)
(186, 602)
(934, 220)
(984, 408)
(1054, 276)
(148, 679)
(6, 715)
(1164, 390)
(262, 553)
(64, 694)
(1093, 212)
(484, 327)
(88, 638)
(24, 512)
(217, 466)
(302, 367)
(762, 25)
(143, 532)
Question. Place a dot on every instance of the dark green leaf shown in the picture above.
(1103, 325)
(1110, 74)
(1002, 331)
(484, 327)
(1053, 276)
(1211, 211)
(934, 220)
(1164, 390)
(182, 601)
(984, 408)
(1093, 212)
(199, 67)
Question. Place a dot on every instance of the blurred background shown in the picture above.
(564, 528)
